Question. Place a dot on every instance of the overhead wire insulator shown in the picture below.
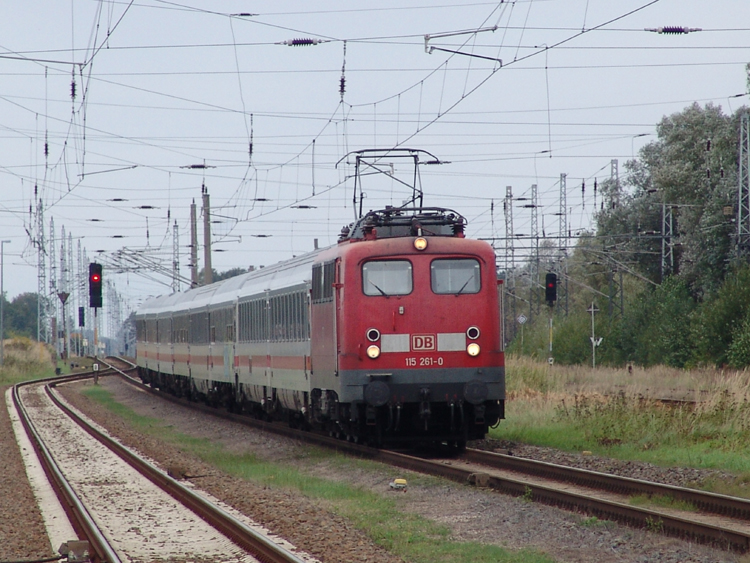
(301, 42)
(673, 30)
(342, 80)
(250, 142)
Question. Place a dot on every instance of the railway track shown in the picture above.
(718, 520)
(125, 508)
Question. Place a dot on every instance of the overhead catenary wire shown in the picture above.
(344, 127)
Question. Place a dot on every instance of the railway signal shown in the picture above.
(550, 288)
(95, 285)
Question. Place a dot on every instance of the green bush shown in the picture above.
(720, 318)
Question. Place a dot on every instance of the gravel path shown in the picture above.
(22, 532)
(140, 520)
(471, 514)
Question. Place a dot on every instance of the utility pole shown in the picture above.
(175, 258)
(208, 277)
(193, 246)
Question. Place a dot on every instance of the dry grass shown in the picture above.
(617, 412)
(525, 376)
(24, 358)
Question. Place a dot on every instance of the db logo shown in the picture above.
(423, 342)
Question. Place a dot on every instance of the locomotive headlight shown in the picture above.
(420, 243)
(472, 349)
(373, 351)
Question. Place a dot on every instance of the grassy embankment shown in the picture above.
(607, 412)
(25, 359)
(415, 539)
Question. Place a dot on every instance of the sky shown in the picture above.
(114, 115)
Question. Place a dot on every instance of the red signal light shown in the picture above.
(95, 285)
(551, 288)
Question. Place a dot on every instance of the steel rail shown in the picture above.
(253, 542)
(77, 513)
(710, 502)
(605, 509)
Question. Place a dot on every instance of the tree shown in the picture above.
(720, 318)
(229, 274)
(691, 169)
(20, 315)
(219, 276)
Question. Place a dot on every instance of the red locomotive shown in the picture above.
(391, 336)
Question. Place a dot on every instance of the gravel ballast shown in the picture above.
(471, 514)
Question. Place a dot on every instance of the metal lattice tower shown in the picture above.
(71, 289)
(743, 209)
(111, 297)
(535, 262)
(563, 246)
(563, 215)
(42, 330)
(89, 310)
(510, 256)
(81, 283)
(62, 285)
(53, 300)
(115, 313)
(176, 258)
(667, 244)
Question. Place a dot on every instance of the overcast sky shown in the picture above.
(531, 89)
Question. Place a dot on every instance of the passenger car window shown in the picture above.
(455, 276)
(391, 277)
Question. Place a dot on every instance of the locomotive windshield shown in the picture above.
(455, 276)
(391, 277)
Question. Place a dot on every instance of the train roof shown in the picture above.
(288, 273)
(384, 223)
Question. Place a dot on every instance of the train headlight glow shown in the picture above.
(373, 351)
(420, 243)
(472, 349)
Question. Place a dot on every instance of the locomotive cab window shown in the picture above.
(456, 276)
(387, 277)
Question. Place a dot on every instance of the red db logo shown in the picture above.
(423, 342)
